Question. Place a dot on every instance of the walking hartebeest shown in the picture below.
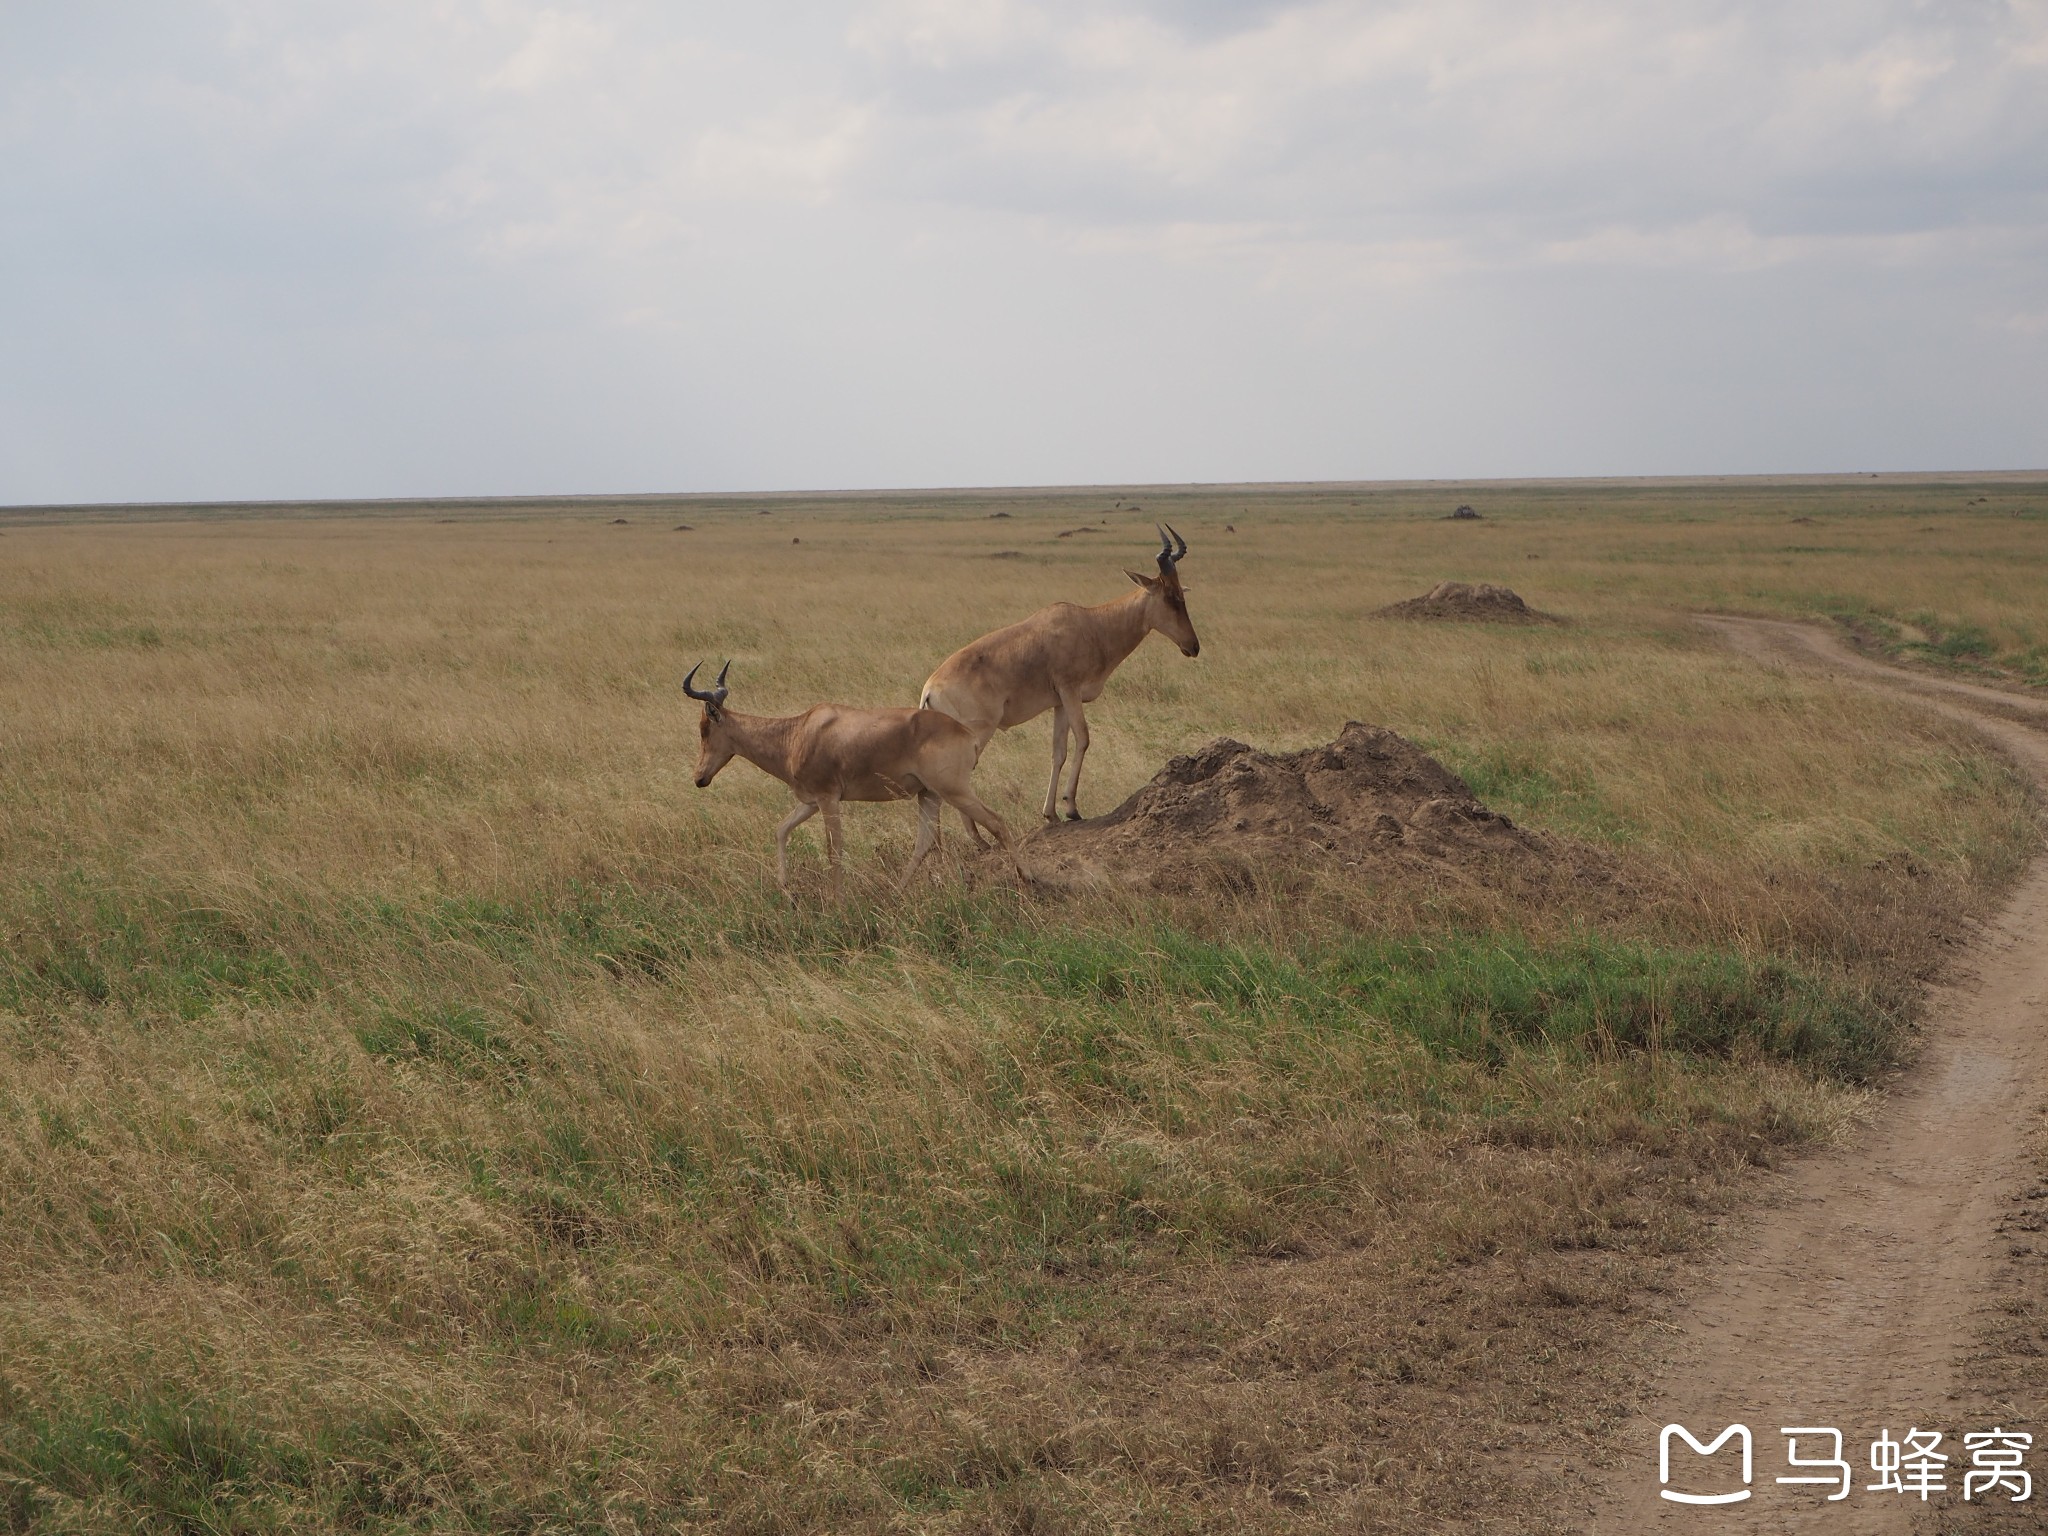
(1058, 659)
(828, 754)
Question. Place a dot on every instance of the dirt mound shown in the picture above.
(1470, 602)
(1370, 801)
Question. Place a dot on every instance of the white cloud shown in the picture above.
(560, 46)
(799, 154)
(944, 34)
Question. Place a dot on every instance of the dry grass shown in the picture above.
(418, 1114)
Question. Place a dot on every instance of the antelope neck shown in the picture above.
(1123, 621)
(762, 740)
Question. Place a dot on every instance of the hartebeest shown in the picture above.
(829, 753)
(1058, 659)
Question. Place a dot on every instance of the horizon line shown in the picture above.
(257, 505)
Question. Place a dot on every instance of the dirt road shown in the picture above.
(1848, 1302)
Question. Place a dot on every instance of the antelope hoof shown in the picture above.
(1073, 815)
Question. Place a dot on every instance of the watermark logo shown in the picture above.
(1996, 1456)
(1816, 1455)
(1841, 1475)
(1732, 1432)
(1914, 1467)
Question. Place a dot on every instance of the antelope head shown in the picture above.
(714, 731)
(1166, 606)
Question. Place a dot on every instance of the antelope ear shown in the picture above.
(1140, 579)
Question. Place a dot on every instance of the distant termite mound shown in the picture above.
(1469, 602)
(1369, 805)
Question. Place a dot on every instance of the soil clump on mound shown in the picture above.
(1370, 805)
(1469, 602)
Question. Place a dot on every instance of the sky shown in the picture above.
(356, 248)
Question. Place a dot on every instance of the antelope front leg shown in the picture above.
(1079, 720)
(1059, 759)
(832, 844)
(796, 818)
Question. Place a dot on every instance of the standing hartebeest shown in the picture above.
(1058, 659)
(828, 754)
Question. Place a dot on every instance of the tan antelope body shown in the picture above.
(1059, 659)
(831, 753)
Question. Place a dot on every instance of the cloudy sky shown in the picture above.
(256, 249)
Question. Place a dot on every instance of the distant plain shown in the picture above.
(419, 1112)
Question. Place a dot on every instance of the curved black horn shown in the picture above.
(718, 691)
(1169, 557)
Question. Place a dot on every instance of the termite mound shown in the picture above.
(1370, 804)
(1469, 602)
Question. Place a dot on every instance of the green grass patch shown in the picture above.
(77, 945)
(167, 1463)
(1930, 639)
(1468, 995)
(165, 1460)
(1083, 1104)
(452, 1035)
(1480, 996)
(44, 635)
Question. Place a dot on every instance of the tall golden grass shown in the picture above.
(375, 700)
(418, 1112)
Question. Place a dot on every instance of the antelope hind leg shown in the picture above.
(928, 808)
(974, 830)
(970, 805)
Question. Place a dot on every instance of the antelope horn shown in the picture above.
(718, 691)
(1169, 557)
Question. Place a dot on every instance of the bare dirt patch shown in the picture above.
(1469, 602)
(1370, 802)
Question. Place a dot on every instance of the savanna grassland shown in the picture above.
(418, 1112)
